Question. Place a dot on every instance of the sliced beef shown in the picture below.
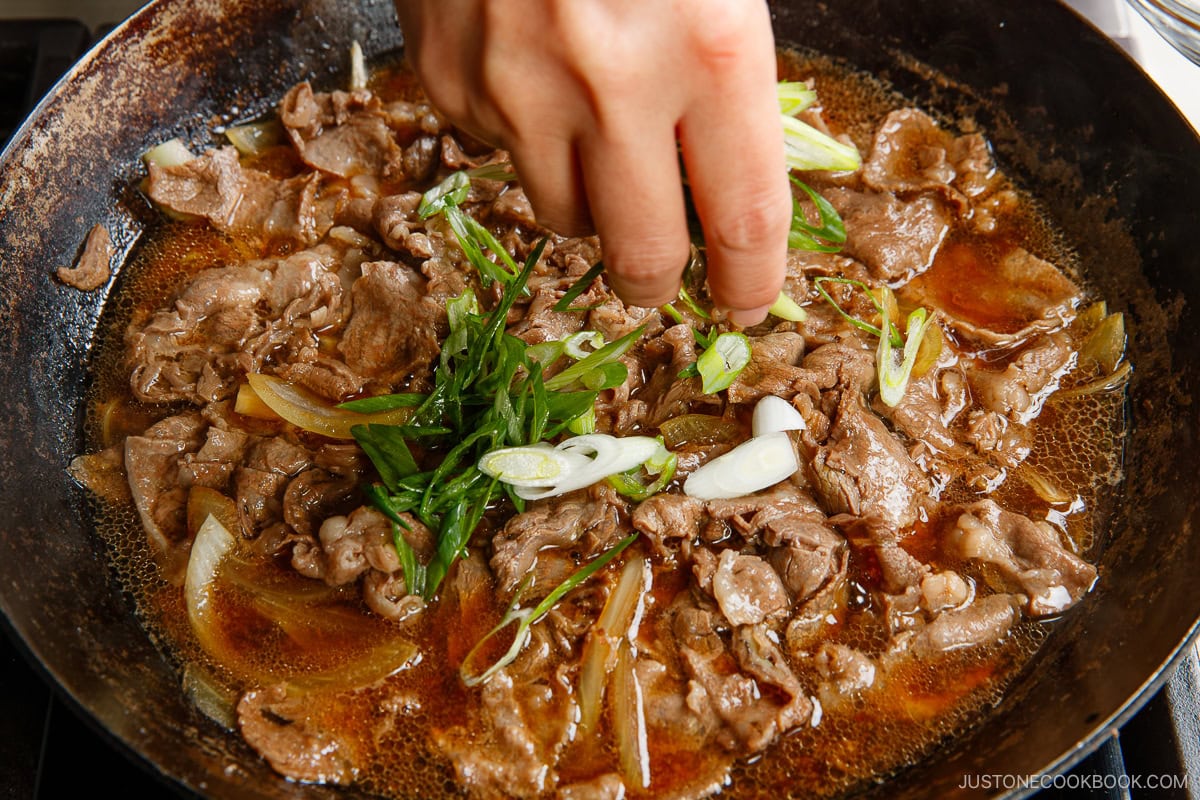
(665, 516)
(284, 732)
(153, 463)
(228, 321)
(773, 368)
(539, 322)
(845, 673)
(590, 520)
(262, 479)
(748, 590)
(513, 747)
(668, 394)
(864, 471)
(342, 133)
(1007, 443)
(996, 304)
(210, 186)
(1019, 390)
(912, 154)
(986, 621)
(808, 555)
(1030, 555)
(895, 239)
(847, 363)
(213, 464)
(94, 267)
(928, 408)
(393, 332)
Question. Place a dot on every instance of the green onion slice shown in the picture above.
(893, 376)
(525, 618)
(721, 363)
(786, 308)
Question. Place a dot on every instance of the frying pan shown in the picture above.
(1070, 116)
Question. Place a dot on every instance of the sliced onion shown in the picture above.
(599, 657)
(753, 465)
(203, 503)
(606, 455)
(171, 153)
(306, 411)
(214, 700)
(697, 429)
(540, 465)
(249, 404)
(255, 138)
(358, 67)
(1105, 346)
(773, 414)
(629, 720)
(212, 543)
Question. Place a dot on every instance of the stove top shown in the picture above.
(47, 750)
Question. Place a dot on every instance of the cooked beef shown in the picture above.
(810, 554)
(153, 463)
(986, 621)
(261, 481)
(94, 267)
(772, 369)
(894, 238)
(384, 353)
(665, 517)
(1003, 303)
(1019, 390)
(994, 435)
(747, 589)
(912, 154)
(1030, 555)
(845, 673)
(928, 409)
(590, 520)
(525, 726)
(943, 590)
(228, 321)
(279, 726)
(865, 472)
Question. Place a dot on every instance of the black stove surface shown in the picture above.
(47, 751)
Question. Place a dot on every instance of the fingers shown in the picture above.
(733, 151)
(553, 181)
(635, 192)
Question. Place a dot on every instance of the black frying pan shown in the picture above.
(1070, 116)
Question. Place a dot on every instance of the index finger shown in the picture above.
(732, 143)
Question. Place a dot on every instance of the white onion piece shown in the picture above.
(212, 543)
(592, 458)
(755, 464)
(358, 67)
(773, 414)
(537, 466)
(170, 153)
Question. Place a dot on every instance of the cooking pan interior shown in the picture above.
(1071, 118)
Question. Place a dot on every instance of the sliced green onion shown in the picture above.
(525, 618)
(579, 287)
(609, 354)
(720, 364)
(809, 149)
(794, 97)
(828, 237)
(820, 282)
(584, 424)
(893, 376)
(755, 464)
(383, 402)
(534, 465)
(786, 308)
(450, 192)
(629, 483)
(500, 171)
(573, 345)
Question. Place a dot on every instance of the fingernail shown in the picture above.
(745, 317)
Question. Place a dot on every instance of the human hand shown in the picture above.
(595, 99)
